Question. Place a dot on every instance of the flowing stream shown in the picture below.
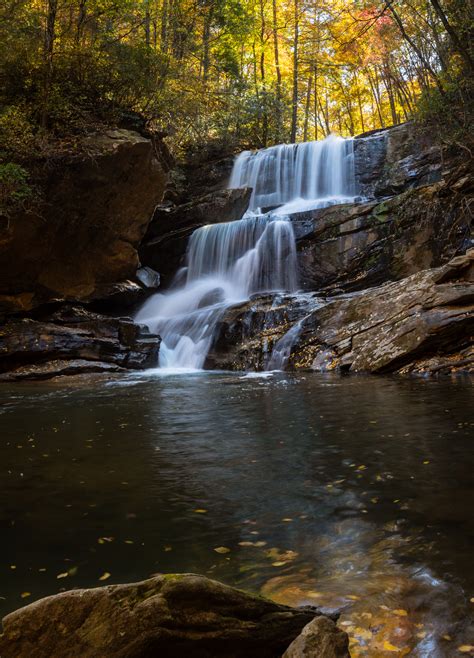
(228, 262)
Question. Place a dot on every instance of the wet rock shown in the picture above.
(148, 277)
(167, 237)
(397, 159)
(183, 615)
(321, 638)
(94, 211)
(352, 247)
(421, 324)
(76, 340)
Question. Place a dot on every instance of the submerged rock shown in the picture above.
(174, 616)
(423, 323)
(73, 340)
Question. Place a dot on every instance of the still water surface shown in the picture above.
(350, 493)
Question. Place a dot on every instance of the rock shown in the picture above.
(321, 638)
(83, 235)
(173, 615)
(148, 277)
(73, 340)
(400, 158)
(167, 237)
(352, 247)
(58, 368)
(421, 324)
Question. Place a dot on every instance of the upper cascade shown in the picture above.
(298, 176)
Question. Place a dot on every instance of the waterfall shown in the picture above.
(321, 172)
(225, 264)
(228, 262)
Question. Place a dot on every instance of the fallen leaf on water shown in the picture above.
(25, 595)
(168, 549)
(12, 566)
(389, 647)
(363, 633)
(200, 511)
(287, 520)
(222, 549)
(128, 541)
(105, 576)
(62, 575)
(353, 597)
(426, 461)
(279, 564)
(466, 648)
(401, 613)
(246, 543)
(72, 571)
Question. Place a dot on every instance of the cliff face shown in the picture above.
(82, 237)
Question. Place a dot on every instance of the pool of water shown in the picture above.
(351, 493)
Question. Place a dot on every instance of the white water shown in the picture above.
(228, 262)
(307, 175)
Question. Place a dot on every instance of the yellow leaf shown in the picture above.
(105, 576)
(389, 647)
(12, 566)
(25, 595)
(200, 511)
(278, 564)
(466, 648)
(128, 541)
(287, 520)
(62, 575)
(222, 549)
(400, 613)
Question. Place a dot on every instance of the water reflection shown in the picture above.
(353, 493)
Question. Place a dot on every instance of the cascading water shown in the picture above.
(310, 175)
(226, 263)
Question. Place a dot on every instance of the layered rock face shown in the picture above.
(425, 222)
(166, 240)
(423, 323)
(73, 340)
(83, 235)
(169, 616)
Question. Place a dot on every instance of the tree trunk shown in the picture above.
(49, 37)
(294, 102)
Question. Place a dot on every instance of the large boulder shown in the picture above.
(73, 340)
(167, 616)
(83, 234)
(423, 323)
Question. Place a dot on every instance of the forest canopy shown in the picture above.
(246, 72)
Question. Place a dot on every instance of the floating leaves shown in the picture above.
(466, 648)
(64, 574)
(222, 550)
(25, 595)
(105, 576)
(200, 511)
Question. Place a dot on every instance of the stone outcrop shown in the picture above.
(83, 234)
(396, 159)
(167, 237)
(423, 323)
(352, 247)
(73, 340)
(174, 615)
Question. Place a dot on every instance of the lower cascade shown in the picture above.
(227, 263)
